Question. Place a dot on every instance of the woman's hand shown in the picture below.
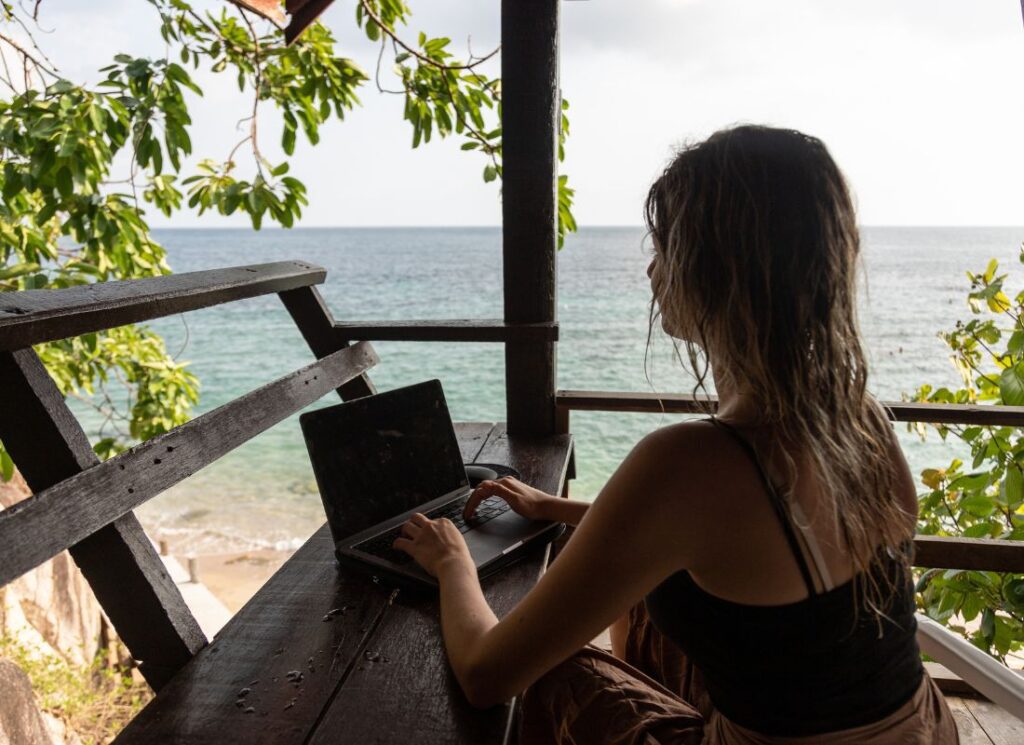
(434, 544)
(523, 499)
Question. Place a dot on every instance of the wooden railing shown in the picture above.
(930, 551)
(85, 506)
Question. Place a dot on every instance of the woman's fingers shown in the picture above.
(483, 491)
(402, 544)
(479, 494)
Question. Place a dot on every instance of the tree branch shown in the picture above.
(415, 52)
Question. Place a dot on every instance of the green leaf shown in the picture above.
(978, 505)
(1013, 593)
(6, 464)
(988, 625)
(490, 173)
(1011, 385)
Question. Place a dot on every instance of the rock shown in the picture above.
(20, 718)
(52, 606)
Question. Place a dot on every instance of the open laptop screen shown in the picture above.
(379, 456)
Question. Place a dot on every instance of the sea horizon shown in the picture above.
(264, 494)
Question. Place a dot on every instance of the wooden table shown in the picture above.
(322, 654)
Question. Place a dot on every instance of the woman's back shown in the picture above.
(773, 619)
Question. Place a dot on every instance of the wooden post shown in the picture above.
(119, 562)
(530, 117)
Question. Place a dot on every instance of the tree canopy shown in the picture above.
(69, 216)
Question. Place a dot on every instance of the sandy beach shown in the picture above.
(235, 577)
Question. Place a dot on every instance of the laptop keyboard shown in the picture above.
(488, 509)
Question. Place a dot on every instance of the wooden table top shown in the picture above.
(322, 654)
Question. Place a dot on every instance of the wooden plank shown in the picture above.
(531, 115)
(405, 685)
(987, 554)
(45, 524)
(316, 324)
(948, 681)
(311, 618)
(125, 573)
(682, 403)
(1002, 727)
(970, 731)
(472, 436)
(288, 622)
(468, 329)
(34, 316)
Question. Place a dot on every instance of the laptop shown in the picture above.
(382, 458)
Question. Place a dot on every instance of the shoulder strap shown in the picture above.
(777, 504)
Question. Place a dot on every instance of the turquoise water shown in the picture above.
(263, 494)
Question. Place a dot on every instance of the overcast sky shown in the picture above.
(920, 101)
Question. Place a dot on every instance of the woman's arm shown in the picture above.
(634, 536)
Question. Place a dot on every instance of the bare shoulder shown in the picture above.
(675, 465)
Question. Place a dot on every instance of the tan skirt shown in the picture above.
(658, 697)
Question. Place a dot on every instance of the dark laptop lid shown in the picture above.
(379, 456)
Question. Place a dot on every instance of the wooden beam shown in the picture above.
(60, 516)
(316, 324)
(34, 316)
(531, 113)
(469, 329)
(683, 403)
(985, 554)
(126, 575)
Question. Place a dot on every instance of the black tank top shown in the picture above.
(815, 666)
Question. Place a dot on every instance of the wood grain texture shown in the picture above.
(316, 324)
(682, 403)
(970, 731)
(125, 573)
(947, 681)
(987, 554)
(472, 436)
(469, 329)
(1001, 727)
(45, 524)
(310, 619)
(404, 692)
(34, 316)
(365, 667)
(531, 113)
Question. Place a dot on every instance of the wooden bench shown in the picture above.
(320, 654)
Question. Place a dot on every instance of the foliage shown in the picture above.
(82, 165)
(93, 701)
(447, 96)
(986, 499)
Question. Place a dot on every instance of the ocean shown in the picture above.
(263, 495)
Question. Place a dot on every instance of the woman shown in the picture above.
(770, 543)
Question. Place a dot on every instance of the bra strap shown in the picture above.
(777, 504)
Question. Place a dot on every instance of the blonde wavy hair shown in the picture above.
(758, 253)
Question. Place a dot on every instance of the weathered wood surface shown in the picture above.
(970, 731)
(531, 116)
(316, 324)
(280, 634)
(34, 316)
(118, 560)
(378, 669)
(980, 722)
(683, 403)
(468, 329)
(406, 681)
(68, 512)
(1000, 726)
(988, 554)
